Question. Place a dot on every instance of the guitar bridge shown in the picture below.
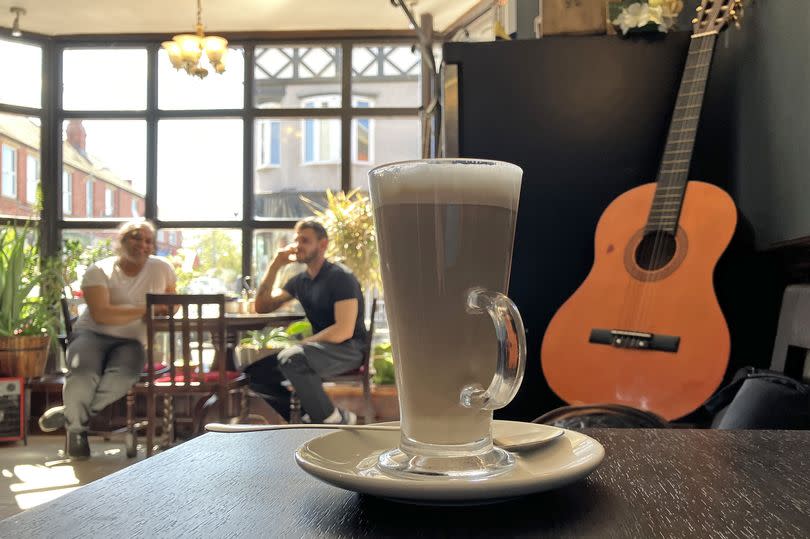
(635, 340)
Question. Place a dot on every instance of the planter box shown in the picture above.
(384, 397)
(24, 356)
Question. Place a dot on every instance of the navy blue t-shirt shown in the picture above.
(333, 283)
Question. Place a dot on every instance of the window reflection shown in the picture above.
(284, 75)
(178, 90)
(23, 64)
(200, 169)
(104, 79)
(19, 164)
(103, 168)
(304, 161)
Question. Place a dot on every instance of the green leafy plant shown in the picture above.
(30, 286)
(277, 337)
(349, 221)
(383, 361)
(300, 329)
(75, 253)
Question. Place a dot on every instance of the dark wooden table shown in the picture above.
(652, 483)
(235, 323)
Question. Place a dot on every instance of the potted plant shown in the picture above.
(349, 221)
(30, 288)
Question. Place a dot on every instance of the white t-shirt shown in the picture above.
(156, 276)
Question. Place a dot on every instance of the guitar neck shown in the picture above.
(672, 175)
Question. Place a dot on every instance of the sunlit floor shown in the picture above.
(39, 472)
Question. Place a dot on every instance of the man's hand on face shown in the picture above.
(286, 255)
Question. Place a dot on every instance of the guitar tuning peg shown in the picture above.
(695, 20)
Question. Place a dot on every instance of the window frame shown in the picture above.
(109, 201)
(59, 212)
(316, 125)
(31, 186)
(6, 174)
(67, 194)
(266, 127)
(89, 194)
(356, 100)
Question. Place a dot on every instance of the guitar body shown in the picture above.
(676, 300)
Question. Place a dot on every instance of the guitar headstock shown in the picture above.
(714, 15)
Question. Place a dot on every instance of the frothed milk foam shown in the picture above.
(442, 230)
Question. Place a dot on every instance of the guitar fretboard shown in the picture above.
(672, 175)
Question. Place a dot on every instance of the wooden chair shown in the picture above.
(71, 309)
(360, 376)
(791, 350)
(195, 331)
(104, 425)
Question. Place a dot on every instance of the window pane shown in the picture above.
(89, 202)
(22, 64)
(103, 167)
(67, 192)
(376, 141)
(82, 247)
(179, 90)
(200, 169)
(308, 164)
(8, 166)
(31, 178)
(265, 245)
(386, 75)
(284, 76)
(19, 149)
(104, 79)
(206, 260)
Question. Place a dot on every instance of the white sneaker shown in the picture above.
(347, 417)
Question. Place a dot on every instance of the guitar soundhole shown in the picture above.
(655, 250)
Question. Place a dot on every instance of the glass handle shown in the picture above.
(511, 351)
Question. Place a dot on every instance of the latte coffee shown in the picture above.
(444, 227)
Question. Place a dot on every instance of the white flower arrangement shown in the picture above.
(655, 15)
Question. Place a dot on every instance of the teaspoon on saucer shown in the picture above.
(512, 437)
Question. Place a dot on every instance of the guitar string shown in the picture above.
(669, 179)
(678, 180)
(693, 87)
(641, 290)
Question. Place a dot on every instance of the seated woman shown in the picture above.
(105, 354)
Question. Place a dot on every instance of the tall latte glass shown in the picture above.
(445, 229)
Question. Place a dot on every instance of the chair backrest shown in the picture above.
(195, 331)
(791, 350)
(71, 309)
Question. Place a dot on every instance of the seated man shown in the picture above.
(105, 354)
(333, 303)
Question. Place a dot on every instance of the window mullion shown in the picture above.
(346, 117)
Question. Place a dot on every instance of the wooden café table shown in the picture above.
(652, 483)
(234, 323)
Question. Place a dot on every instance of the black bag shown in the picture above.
(761, 399)
(602, 416)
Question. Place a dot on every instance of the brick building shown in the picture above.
(89, 189)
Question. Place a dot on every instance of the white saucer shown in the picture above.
(348, 459)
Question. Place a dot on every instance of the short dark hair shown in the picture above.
(313, 225)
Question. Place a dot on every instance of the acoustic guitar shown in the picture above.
(645, 329)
